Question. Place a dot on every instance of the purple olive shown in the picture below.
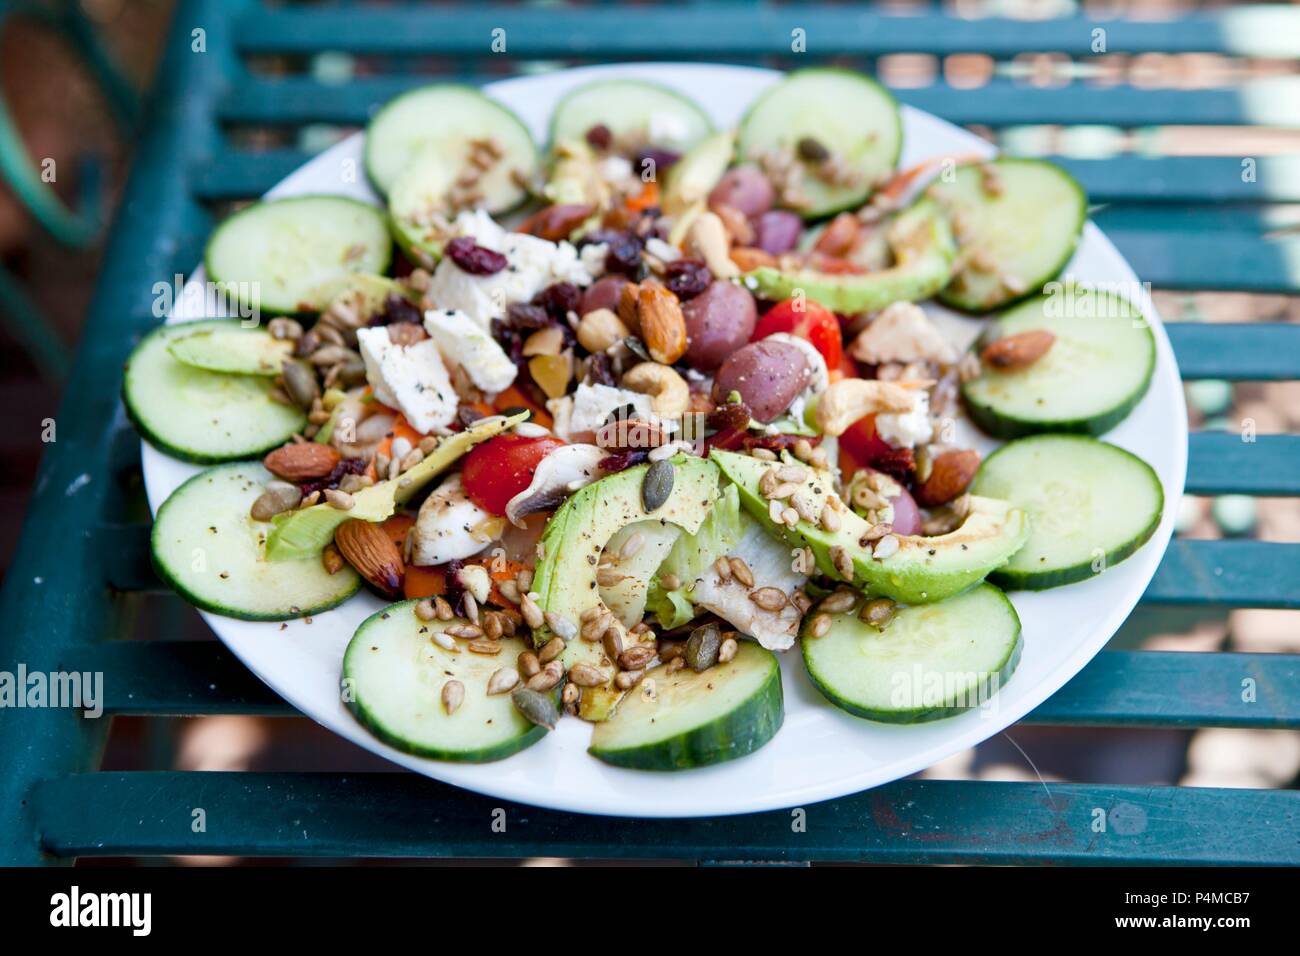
(719, 321)
(768, 375)
(602, 294)
(744, 189)
(907, 516)
(777, 231)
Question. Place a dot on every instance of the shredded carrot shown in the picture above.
(514, 396)
(647, 197)
(396, 527)
(401, 429)
(424, 582)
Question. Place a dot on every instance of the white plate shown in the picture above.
(821, 752)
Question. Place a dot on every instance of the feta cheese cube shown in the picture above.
(410, 378)
(463, 342)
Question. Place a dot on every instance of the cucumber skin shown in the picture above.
(375, 728)
(1008, 427)
(954, 300)
(738, 734)
(304, 313)
(920, 714)
(168, 579)
(820, 214)
(1043, 580)
(660, 87)
(182, 454)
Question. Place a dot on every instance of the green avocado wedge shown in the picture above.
(678, 720)
(305, 532)
(923, 249)
(923, 569)
(928, 662)
(573, 546)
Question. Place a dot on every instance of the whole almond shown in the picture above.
(748, 258)
(663, 327)
(950, 475)
(302, 462)
(840, 237)
(1017, 351)
(556, 222)
(627, 308)
(373, 553)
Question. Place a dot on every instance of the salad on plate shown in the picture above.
(627, 418)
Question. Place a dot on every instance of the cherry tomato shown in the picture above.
(815, 323)
(501, 467)
(862, 442)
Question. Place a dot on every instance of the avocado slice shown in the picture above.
(923, 247)
(923, 570)
(305, 533)
(565, 579)
(692, 178)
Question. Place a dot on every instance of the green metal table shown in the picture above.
(1184, 223)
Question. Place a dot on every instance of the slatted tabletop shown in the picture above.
(1184, 223)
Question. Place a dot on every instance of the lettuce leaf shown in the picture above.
(691, 556)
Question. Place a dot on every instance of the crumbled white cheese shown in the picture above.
(450, 527)
(533, 264)
(463, 342)
(907, 429)
(579, 416)
(769, 563)
(410, 378)
(903, 333)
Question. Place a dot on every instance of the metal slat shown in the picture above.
(1221, 463)
(1253, 574)
(1174, 258)
(909, 821)
(1120, 179)
(1272, 102)
(749, 30)
(1254, 352)
(1117, 688)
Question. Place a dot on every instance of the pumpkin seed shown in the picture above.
(536, 707)
(878, 613)
(300, 383)
(657, 485)
(278, 497)
(702, 647)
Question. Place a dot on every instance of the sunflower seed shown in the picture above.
(875, 533)
(803, 449)
(340, 499)
(442, 609)
(528, 664)
(637, 658)
(561, 625)
(584, 675)
(607, 577)
(631, 546)
(657, 485)
(774, 510)
(727, 650)
(843, 562)
(790, 517)
(551, 650)
(453, 693)
(723, 567)
(571, 694)
(533, 616)
(424, 610)
(886, 547)
(470, 605)
(492, 625)
(878, 613)
(537, 707)
(484, 646)
(806, 509)
(763, 454)
(670, 582)
(740, 571)
(445, 642)
(830, 520)
(769, 598)
(547, 677)
(502, 680)
(794, 473)
(819, 625)
(626, 680)
(612, 642)
(839, 602)
(467, 632)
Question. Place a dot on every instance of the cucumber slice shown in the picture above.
(1090, 506)
(849, 114)
(233, 349)
(930, 661)
(446, 118)
(200, 416)
(1096, 371)
(631, 109)
(393, 675)
(293, 255)
(1017, 230)
(210, 551)
(685, 719)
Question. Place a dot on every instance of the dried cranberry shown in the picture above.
(473, 258)
(559, 299)
(897, 463)
(346, 466)
(599, 136)
(525, 315)
(624, 253)
(729, 415)
(687, 278)
(600, 370)
(663, 159)
(778, 443)
(623, 459)
(455, 595)
(397, 308)
(468, 415)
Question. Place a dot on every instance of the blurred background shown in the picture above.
(62, 113)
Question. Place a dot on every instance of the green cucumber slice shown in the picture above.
(293, 255)
(393, 676)
(210, 551)
(930, 661)
(849, 114)
(1090, 504)
(630, 109)
(1094, 374)
(445, 118)
(201, 416)
(232, 349)
(673, 721)
(1017, 229)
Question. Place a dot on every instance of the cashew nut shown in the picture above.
(599, 329)
(851, 398)
(903, 333)
(709, 240)
(669, 391)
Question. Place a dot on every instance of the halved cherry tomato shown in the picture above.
(808, 320)
(501, 467)
(862, 443)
